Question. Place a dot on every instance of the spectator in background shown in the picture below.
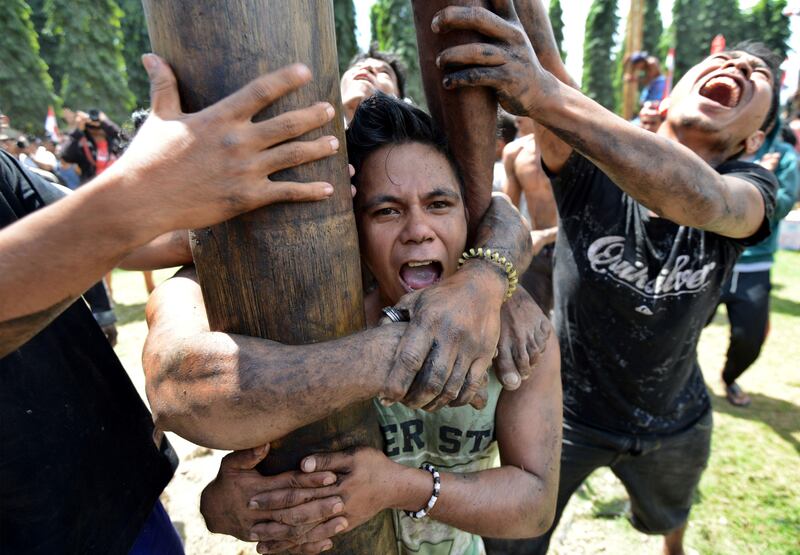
(746, 293)
(370, 72)
(506, 133)
(529, 189)
(93, 145)
(646, 71)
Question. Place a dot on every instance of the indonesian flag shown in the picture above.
(670, 63)
(50, 124)
(718, 44)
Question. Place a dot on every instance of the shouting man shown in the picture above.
(650, 226)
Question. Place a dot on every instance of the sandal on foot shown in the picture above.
(736, 396)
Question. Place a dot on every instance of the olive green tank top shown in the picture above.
(459, 439)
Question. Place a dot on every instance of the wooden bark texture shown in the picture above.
(286, 272)
(468, 116)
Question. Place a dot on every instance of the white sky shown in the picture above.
(574, 26)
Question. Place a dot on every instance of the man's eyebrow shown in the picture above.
(381, 199)
(441, 192)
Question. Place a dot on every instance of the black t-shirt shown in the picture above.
(633, 293)
(80, 470)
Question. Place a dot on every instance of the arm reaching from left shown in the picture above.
(182, 171)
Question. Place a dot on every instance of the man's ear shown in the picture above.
(754, 142)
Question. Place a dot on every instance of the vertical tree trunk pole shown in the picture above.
(287, 272)
(468, 116)
(634, 38)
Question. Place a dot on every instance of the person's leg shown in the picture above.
(661, 477)
(581, 454)
(748, 313)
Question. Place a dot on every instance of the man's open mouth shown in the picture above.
(722, 89)
(419, 274)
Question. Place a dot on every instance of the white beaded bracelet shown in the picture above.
(437, 485)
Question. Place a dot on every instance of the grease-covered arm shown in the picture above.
(657, 171)
(229, 391)
(516, 500)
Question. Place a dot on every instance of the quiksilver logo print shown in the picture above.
(605, 257)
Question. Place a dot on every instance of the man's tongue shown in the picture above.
(723, 90)
(419, 277)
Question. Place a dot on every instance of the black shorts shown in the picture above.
(660, 475)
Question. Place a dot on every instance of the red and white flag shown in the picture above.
(51, 125)
(670, 63)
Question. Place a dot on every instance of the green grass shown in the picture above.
(749, 498)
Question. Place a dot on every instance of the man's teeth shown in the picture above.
(417, 264)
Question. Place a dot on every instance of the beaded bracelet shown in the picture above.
(495, 258)
(437, 484)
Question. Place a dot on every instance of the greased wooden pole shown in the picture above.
(468, 116)
(286, 272)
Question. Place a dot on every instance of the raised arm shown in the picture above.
(660, 173)
(182, 171)
(229, 391)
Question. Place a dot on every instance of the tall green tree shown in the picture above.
(136, 42)
(686, 35)
(344, 15)
(556, 15)
(393, 31)
(89, 57)
(598, 55)
(25, 86)
(720, 17)
(653, 28)
(766, 23)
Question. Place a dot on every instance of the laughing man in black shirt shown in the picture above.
(651, 225)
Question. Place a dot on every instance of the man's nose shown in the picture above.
(742, 64)
(416, 229)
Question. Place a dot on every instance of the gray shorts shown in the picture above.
(660, 475)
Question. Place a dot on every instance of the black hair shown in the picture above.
(506, 126)
(138, 118)
(773, 61)
(394, 62)
(788, 136)
(382, 120)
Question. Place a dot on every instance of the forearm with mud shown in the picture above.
(228, 391)
(536, 22)
(661, 174)
(503, 230)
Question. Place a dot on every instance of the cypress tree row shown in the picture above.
(393, 31)
(766, 23)
(598, 58)
(686, 35)
(89, 55)
(344, 14)
(720, 17)
(26, 88)
(653, 28)
(557, 21)
(136, 42)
